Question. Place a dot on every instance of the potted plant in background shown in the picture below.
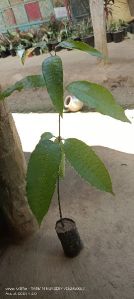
(124, 26)
(24, 43)
(26, 38)
(47, 162)
(86, 31)
(75, 32)
(82, 31)
(2, 51)
(38, 43)
(109, 34)
(52, 40)
(130, 27)
(12, 50)
(53, 29)
(117, 32)
(13, 39)
(4, 46)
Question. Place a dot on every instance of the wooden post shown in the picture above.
(13, 201)
(99, 26)
(131, 7)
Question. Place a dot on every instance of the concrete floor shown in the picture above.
(105, 267)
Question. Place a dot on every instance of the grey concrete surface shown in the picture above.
(105, 267)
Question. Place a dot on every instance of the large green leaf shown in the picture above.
(43, 170)
(71, 44)
(53, 74)
(98, 97)
(87, 164)
(34, 81)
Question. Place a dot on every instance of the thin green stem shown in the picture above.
(58, 194)
(58, 181)
(59, 128)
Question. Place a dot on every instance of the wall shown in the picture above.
(121, 10)
(79, 9)
(23, 14)
(131, 6)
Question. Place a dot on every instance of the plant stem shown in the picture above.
(58, 181)
(59, 128)
(59, 202)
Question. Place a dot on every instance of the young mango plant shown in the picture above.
(47, 162)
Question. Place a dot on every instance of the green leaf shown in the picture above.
(71, 44)
(23, 57)
(87, 164)
(26, 54)
(53, 74)
(34, 81)
(98, 97)
(42, 174)
(47, 136)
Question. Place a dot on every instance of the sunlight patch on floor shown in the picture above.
(93, 128)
